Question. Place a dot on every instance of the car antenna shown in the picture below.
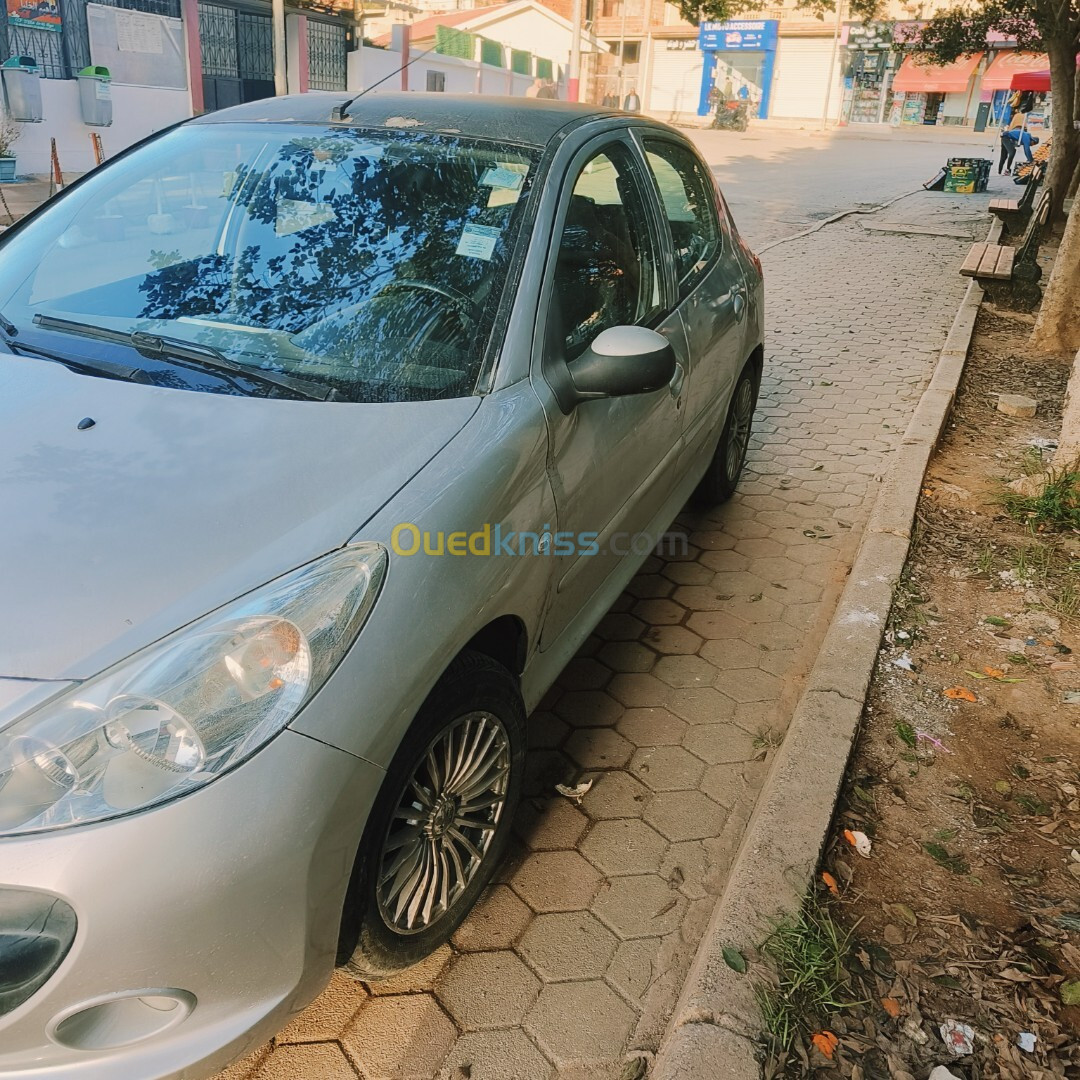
(341, 112)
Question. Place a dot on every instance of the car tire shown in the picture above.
(722, 476)
(417, 873)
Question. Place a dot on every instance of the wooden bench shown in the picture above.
(1012, 272)
(1014, 213)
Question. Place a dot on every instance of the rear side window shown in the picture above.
(689, 204)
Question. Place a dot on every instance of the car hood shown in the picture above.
(174, 502)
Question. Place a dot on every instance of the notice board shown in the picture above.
(139, 49)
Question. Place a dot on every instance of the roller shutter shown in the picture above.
(675, 88)
(802, 74)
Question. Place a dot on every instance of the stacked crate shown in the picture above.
(965, 176)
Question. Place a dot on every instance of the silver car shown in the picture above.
(330, 430)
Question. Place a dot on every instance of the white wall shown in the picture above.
(534, 32)
(367, 66)
(138, 111)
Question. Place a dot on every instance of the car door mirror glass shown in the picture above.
(623, 360)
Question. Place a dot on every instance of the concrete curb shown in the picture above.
(716, 1025)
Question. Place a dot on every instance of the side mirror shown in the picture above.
(623, 360)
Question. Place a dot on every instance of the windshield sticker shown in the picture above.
(502, 176)
(478, 242)
(294, 216)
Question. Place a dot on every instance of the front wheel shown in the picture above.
(722, 476)
(441, 821)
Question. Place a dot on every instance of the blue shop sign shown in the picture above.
(749, 35)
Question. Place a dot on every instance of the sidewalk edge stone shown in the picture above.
(715, 1029)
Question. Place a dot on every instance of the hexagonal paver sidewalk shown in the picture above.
(576, 955)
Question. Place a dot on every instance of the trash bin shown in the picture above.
(95, 96)
(22, 89)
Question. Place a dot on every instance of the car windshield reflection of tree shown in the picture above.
(349, 250)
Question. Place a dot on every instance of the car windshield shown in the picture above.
(369, 261)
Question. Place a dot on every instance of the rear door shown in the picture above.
(710, 282)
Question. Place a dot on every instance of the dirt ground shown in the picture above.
(966, 775)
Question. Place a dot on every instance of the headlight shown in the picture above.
(180, 713)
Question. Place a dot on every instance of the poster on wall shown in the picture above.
(139, 49)
(38, 14)
(914, 107)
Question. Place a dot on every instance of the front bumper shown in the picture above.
(231, 896)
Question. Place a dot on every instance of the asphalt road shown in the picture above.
(780, 182)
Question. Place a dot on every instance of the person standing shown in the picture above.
(632, 102)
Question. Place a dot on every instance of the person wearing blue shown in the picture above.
(1020, 135)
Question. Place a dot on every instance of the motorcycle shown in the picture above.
(732, 116)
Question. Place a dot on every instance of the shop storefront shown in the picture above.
(932, 94)
(738, 58)
(674, 83)
(870, 62)
(997, 82)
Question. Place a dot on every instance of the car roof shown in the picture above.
(532, 121)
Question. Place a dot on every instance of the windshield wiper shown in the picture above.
(83, 365)
(9, 328)
(157, 347)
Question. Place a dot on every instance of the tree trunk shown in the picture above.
(1066, 148)
(1057, 329)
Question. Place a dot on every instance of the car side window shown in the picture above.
(607, 273)
(689, 204)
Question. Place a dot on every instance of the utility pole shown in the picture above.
(574, 74)
(622, 54)
(832, 64)
(281, 80)
(358, 22)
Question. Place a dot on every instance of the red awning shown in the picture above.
(1038, 81)
(915, 78)
(1000, 74)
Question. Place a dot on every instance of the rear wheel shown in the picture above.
(722, 477)
(441, 822)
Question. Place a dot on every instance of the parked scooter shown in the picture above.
(731, 116)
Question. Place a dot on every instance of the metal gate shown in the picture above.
(326, 55)
(237, 55)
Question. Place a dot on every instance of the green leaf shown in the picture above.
(996, 620)
(906, 733)
(976, 674)
(734, 959)
(1070, 992)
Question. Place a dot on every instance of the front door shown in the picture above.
(612, 461)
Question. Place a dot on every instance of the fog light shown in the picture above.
(36, 932)
(121, 1019)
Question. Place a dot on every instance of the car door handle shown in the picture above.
(677, 380)
(738, 304)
